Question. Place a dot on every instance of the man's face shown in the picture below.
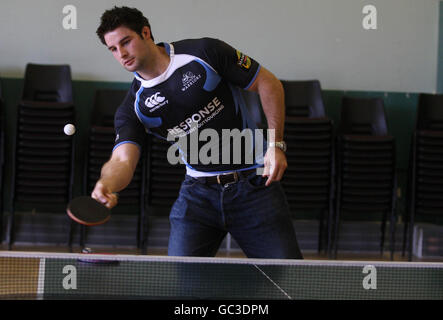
(128, 47)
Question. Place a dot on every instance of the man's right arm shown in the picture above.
(116, 174)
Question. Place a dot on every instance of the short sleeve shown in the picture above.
(128, 128)
(232, 64)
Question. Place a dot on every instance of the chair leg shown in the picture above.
(83, 230)
(11, 226)
(145, 236)
(405, 237)
(320, 232)
(139, 231)
(143, 232)
(392, 232)
(1, 218)
(336, 236)
(330, 229)
(410, 237)
(383, 232)
(71, 234)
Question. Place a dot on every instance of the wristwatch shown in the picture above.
(278, 144)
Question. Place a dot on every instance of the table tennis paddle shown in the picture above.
(88, 211)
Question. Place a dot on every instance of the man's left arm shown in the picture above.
(272, 99)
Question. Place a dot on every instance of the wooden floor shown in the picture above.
(18, 276)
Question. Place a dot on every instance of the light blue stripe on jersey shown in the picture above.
(212, 78)
(123, 142)
(253, 79)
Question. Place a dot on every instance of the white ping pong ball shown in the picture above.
(69, 129)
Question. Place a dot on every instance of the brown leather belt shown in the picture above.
(227, 178)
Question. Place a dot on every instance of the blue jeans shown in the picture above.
(256, 216)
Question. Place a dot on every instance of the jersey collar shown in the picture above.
(164, 76)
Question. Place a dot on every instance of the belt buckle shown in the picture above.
(229, 183)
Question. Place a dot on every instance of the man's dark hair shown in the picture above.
(122, 16)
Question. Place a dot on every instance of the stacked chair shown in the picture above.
(425, 189)
(43, 155)
(2, 158)
(162, 184)
(308, 180)
(366, 176)
(100, 144)
(164, 179)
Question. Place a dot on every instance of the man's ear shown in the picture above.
(146, 32)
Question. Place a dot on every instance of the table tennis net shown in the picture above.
(79, 276)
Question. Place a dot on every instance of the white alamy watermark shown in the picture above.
(370, 281)
(69, 21)
(70, 280)
(209, 146)
(370, 19)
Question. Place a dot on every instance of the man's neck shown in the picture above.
(157, 64)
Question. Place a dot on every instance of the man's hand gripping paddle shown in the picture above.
(88, 211)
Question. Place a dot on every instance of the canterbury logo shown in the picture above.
(154, 100)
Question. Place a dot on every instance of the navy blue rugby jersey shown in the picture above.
(201, 89)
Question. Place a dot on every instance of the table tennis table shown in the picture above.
(102, 276)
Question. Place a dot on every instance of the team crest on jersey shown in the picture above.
(155, 101)
(189, 79)
(243, 60)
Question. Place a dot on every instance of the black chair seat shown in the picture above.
(42, 199)
(422, 187)
(44, 138)
(367, 177)
(29, 182)
(42, 121)
(53, 145)
(306, 190)
(36, 152)
(44, 168)
(42, 175)
(41, 190)
(429, 150)
(318, 205)
(167, 203)
(102, 146)
(431, 157)
(427, 211)
(55, 160)
(305, 183)
(100, 154)
(358, 169)
(109, 140)
(365, 208)
(386, 192)
(308, 137)
(437, 166)
(293, 153)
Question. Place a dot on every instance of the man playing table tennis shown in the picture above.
(196, 84)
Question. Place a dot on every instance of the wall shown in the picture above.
(301, 39)
(440, 52)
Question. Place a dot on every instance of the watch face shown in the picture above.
(282, 145)
(279, 144)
